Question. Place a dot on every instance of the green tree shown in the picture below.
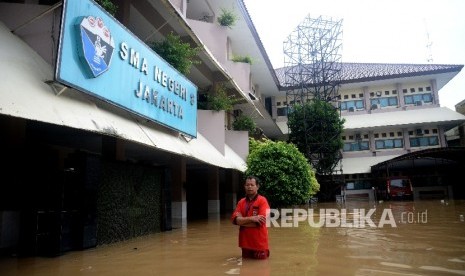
(315, 128)
(287, 177)
(181, 55)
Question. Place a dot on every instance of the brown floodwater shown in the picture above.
(357, 238)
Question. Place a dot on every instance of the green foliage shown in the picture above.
(287, 177)
(220, 100)
(243, 122)
(227, 18)
(181, 55)
(108, 6)
(245, 59)
(316, 128)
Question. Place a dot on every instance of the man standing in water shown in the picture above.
(250, 214)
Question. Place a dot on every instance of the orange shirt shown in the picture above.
(254, 238)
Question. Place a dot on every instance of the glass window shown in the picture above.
(364, 145)
(343, 105)
(427, 98)
(379, 144)
(389, 144)
(392, 101)
(359, 104)
(424, 141)
(282, 111)
(408, 99)
(398, 143)
(383, 102)
(347, 147)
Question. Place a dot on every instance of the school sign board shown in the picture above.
(99, 56)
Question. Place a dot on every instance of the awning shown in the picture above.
(362, 164)
(24, 93)
(438, 115)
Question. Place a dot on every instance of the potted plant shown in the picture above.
(245, 59)
(227, 18)
(243, 122)
(181, 55)
(219, 100)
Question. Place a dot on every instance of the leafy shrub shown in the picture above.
(243, 122)
(227, 18)
(287, 177)
(245, 59)
(181, 55)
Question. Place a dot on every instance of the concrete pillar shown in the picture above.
(406, 137)
(435, 92)
(213, 191)
(232, 181)
(178, 191)
(400, 94)
(366, 98)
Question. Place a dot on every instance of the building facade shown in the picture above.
(85, 165)
(391, 112)
(84, 169)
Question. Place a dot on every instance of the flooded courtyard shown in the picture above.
(404, 238)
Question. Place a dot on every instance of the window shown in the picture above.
(356, 104)
(356, 146)
(389, 144)
(412, 99)
(385, 101)
(424, 141)
(282, 111)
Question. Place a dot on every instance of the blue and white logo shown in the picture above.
(97, 45)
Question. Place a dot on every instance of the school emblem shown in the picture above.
(97, 45)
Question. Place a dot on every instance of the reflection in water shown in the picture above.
(428, 239)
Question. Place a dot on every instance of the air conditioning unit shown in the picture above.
(351, 109)
(419, 103)
(379, 93)
(375, 106)
(419, 131)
